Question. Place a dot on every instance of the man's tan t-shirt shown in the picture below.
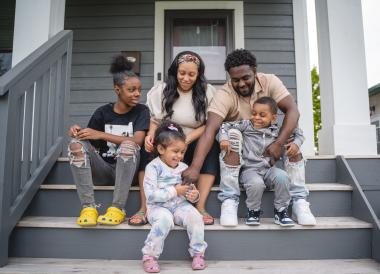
(231, 107)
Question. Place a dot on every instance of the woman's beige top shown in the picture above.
(183, 110)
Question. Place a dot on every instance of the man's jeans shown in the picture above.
(92, 170)
(229, 175)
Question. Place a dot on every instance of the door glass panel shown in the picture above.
(207, 37)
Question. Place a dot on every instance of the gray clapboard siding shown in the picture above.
(100, 58)
(104, 28)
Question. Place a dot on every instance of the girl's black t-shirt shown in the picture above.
(106, 120)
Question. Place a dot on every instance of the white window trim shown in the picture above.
(159, 24)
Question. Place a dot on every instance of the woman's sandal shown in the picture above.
(150, 264)
(113, 216)
(207, 218)
(198, 262)
(138, 219)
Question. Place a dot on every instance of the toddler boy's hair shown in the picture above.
(268, 101)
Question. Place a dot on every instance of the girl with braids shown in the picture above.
(107, 151)
(184, 99)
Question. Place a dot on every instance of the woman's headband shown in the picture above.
(189, 58)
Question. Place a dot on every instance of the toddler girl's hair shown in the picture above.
(121, 67)
(166, 133)
(268, 101)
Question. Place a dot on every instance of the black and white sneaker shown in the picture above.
(282, 218)
(253, 217)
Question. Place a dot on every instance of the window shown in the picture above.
(208, 33)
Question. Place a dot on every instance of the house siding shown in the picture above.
(104, 28)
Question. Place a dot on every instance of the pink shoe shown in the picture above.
(198, 262)
(150, 264)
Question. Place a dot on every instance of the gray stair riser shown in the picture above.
(223, 245)
(317, 171)
(65, 203)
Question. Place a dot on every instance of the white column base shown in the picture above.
(348, 140)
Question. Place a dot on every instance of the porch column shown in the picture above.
(346, 128)
(304, 93)
(35, 22)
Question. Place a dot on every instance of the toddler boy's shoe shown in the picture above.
(253, 217)
(88, 217)
(282, 218)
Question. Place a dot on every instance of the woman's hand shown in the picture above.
(192, 194)
(73, 131)
(149, 143)
(225, 145)
(89, 134)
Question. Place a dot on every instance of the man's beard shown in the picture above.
(246, 93)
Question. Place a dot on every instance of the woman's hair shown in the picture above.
(240, 57)
(199, 97)
(121, 68)
(166, 133)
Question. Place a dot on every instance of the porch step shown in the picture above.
(47, 265)
(326, 199)
(60, 237)
(318, 169)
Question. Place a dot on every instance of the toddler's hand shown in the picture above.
(225, 145)
(181, 189)
(73, 131)
(192, 194)
(291, 150)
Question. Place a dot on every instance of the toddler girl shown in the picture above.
(168, 199)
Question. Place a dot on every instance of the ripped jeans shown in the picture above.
(89, 169)
(229, 175)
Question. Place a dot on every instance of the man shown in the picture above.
(234, 102)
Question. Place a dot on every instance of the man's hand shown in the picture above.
(225, 145)
(291, 150)
(73, 131)
(89, 134)
(274, 151)
(190, 175)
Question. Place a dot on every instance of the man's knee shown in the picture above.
(232, 159)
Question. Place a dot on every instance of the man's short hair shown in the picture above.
(240, 57)
(268, 101)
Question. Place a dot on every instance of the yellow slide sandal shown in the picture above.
(88, 217)
(113, 216)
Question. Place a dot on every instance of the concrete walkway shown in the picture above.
(37, 265)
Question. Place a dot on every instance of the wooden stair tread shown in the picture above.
(312, 187)
(266, 224)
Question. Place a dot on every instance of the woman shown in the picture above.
(108, 149)
(184, 99)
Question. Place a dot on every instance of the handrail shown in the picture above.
(34, 97)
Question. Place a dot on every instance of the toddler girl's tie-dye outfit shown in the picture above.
(165, 208)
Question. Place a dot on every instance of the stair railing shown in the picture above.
(34, 97)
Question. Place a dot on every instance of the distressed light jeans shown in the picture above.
(229, 175)
(89, 169)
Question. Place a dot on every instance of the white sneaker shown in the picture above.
(302, 214)
(228, 215)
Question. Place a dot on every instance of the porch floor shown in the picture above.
(42, 265)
